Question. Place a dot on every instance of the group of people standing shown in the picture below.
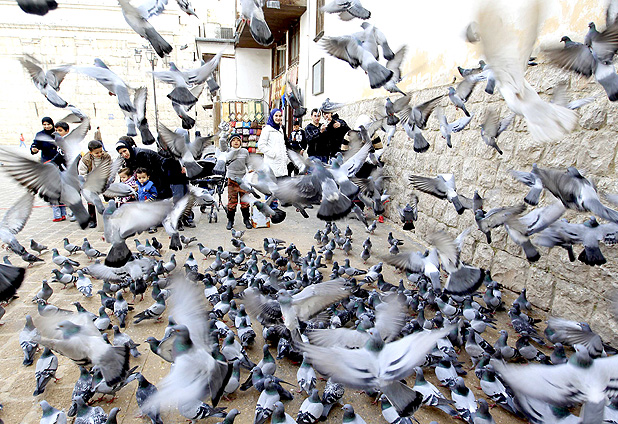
(157, 175)
(322, 139)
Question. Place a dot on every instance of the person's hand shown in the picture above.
(302, 152)
(183, 170)
(336, 124)
(34, 150)
(323, 127)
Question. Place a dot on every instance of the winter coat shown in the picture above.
(146, 191)
(272, 145)
(153, 162)
(317, 145)
(89, 162)
(48, 149)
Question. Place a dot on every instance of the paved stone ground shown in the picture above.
(18, 381)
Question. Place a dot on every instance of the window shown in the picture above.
(317, 85)
(319, 20)
(279, 59)
(294, 45)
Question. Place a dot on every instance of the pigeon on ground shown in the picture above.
(46, 367)
(82, 389)
(78, 339)
(52, 415)
(365, 368)
(581, 380)
(37, 247)
(29, 341)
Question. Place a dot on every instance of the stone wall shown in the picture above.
(92, 29)
(570, 290)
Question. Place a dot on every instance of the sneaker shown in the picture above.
(189, 224)
(63, 218)
(57, 219)
(152, 230)
(381, 219)
(72, 218)
(92, 224)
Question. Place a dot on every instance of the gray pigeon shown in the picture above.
(347, 9)
(45, 292)
(365, 368)
(442, 187)
(79, 340)
(446, 128)
(493, 126)
(82, 389)
(46, 367)
(112, 82)
(48, 82)
(52, 415)
(123, 339)
(121, 308)
(266, 402)
(137, 20)
(144, 391)
(350, 49)
(580, 380)
(28, 340)
(311, 409)
(252, 12)
(86, 414)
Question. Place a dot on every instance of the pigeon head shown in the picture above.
(565, 39)
(68, 328)
(581, 358)
(375, 342)
(591, 25)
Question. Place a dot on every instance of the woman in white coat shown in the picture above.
(272, 144)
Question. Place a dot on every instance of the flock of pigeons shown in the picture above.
(350, 326)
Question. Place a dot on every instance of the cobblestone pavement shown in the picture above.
(18, 381)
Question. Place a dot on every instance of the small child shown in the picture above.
(146, 190)
(237, 163)
(94, 158)
(297, 142)
(129, 179)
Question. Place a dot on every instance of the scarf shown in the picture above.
(271, 121)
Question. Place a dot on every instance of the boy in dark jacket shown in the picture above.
(296, 142)
(44, 143)
(146, 190)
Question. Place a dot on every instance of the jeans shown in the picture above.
(178, 191)
(59, 211)
(323, 159)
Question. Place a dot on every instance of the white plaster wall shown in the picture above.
(241, 72)
(433, 32)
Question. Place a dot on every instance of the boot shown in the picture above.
(92, 211)
(189, 220)
(245, 218)
(230, 218)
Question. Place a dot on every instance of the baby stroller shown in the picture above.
(214, 183)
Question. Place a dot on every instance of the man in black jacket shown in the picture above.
(334, 130)
(317, 145)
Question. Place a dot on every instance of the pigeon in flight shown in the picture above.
(48, 82)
